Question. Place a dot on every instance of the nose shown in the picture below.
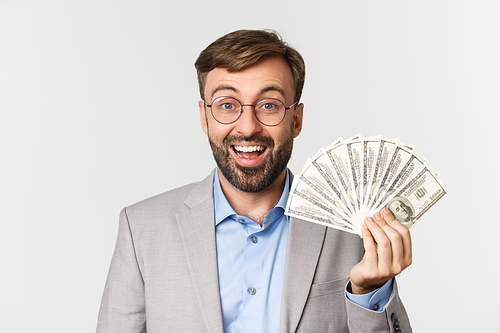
(248, 124)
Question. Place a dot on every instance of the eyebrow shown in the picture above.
(233, 89)
(219, 88)
(274, 88)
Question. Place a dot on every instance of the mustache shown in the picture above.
(256, 138)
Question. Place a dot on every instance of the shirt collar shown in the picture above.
(222, 207)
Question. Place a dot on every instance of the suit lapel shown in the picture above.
(305, 241)
(197, 230)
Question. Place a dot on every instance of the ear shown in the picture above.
(203, 116)
(298, 120)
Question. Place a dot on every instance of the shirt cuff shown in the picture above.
(376, 300)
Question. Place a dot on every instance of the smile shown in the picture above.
(239, 150)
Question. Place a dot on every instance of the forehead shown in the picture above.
(268, 76)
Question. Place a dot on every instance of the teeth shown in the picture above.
(248, 149)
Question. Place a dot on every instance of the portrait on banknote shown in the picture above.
(402, 210)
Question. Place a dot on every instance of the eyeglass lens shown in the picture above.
(269, 111)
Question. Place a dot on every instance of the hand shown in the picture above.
(387, 252)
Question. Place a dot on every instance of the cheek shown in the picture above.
(218, 132)
(284, 134)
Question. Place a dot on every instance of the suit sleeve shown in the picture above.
(123, 306)
(392, 319)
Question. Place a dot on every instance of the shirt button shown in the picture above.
(375, 307)
(254, 239)
(241, 220)
(252, 291)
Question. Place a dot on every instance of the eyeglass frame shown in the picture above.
(253, 105)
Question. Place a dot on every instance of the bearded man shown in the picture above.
(220, 255)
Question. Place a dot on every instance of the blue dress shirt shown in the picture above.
(251, 264)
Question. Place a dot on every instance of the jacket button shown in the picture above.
(394, 317)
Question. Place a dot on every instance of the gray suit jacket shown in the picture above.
(163, 275)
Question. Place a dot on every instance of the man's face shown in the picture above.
(400, 211)
(250, 155)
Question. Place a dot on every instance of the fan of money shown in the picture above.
(354, 178)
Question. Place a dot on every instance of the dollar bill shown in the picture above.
(385, 152)
(370, 154)
(302, 209)
(354, 153)
(323, 165)
(315, 180)
(413, 166)
(340, 167)
(354, 178)
(416, 198)
(398, 161)
(308, 193)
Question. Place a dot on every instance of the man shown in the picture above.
(220, 255)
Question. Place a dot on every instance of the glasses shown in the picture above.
(269, 111)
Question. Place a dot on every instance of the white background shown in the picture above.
(98, 104)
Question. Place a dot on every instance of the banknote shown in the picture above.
(312, 176)
(416, 198)
(413, 166)
(325, 167)
(340, 167)
(354, 178)
(370, 155)
(385, 151)
(398, 160)
(302, 209)
(308, 193)
(354, 152)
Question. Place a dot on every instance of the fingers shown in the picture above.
(393, 249)
(403, 231)
(371, 255)
(396, 244)
(385, 248)
(387, 252)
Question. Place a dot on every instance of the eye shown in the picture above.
(269, 106)
(227, 106)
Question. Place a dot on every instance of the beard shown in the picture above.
(257, 178)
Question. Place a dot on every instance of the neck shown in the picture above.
(253, 205)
